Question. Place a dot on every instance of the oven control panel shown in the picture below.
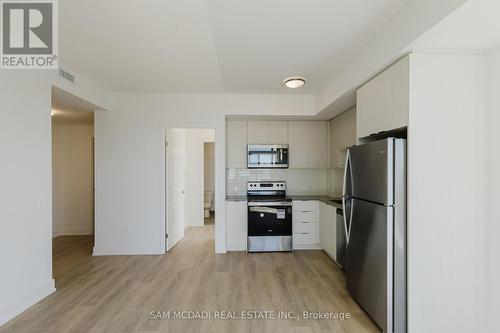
(266, 186)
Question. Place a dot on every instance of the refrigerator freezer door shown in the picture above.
(371, 174)
(369, 261)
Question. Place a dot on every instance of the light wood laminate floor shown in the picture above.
(117, 293)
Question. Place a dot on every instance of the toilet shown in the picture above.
(208, 201)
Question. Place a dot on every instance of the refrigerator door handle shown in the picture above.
(344, 197)
(345, 220)
(347, 164)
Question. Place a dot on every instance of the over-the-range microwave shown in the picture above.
(267, 156)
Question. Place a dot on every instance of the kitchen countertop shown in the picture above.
(323, 198)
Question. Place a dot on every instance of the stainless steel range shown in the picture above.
(269, 217)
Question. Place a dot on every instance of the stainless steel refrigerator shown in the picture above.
(374, 201)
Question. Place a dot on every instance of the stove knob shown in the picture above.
(261, 214)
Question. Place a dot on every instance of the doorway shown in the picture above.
(209, 182)
(189, 182)
(72, 182)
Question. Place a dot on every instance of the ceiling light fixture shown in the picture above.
(294, 82)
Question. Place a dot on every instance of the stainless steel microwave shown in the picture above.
(267, 156)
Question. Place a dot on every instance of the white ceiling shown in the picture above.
(214, 46)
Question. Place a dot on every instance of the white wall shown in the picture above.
(26, 184)
(492, 165)
(195, 171)
(129, 146)
(446, 197)
(72, 198)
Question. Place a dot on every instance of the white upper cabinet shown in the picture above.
(399, 101)
(297, 138)
(383, 102)
(277, 132)
(341, 134)
(257, 132)
(307, 140)
(267, 132)
(237, 143)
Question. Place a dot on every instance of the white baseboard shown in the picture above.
(26, 301)
(126, 250)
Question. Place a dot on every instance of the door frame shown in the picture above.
(166, 188)
(164, 176)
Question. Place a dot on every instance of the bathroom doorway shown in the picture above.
(190, 183)
(209, 182)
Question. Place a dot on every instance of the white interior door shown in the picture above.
(176, 185)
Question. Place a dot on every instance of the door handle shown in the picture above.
(344, 195)
(345, 220)
(344, 185)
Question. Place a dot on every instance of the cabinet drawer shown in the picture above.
(305, 206)
(305, 217)
(309, 227)
(305, 238)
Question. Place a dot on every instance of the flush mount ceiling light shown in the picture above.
(294, 82)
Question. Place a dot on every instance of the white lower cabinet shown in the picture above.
(328, 229)
(236, 222)
(305, 225)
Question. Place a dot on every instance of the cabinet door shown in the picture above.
(236, 222)
(383, 102)
(298, 143)
(257, 132)
(332, 219)
(399, 97)
(332, 143)
(323, 226)
(316, 152)
(328, 230)
(277, 132)
(372, 101)
(237, 144)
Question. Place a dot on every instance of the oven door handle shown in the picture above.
(270, 204)
(267, 210)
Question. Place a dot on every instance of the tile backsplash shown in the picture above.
(298, 181)
(335, 178)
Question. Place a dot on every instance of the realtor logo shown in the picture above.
(29, 34)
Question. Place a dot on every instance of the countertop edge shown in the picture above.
(322, 198)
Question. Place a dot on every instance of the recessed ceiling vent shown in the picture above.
(67, 76)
